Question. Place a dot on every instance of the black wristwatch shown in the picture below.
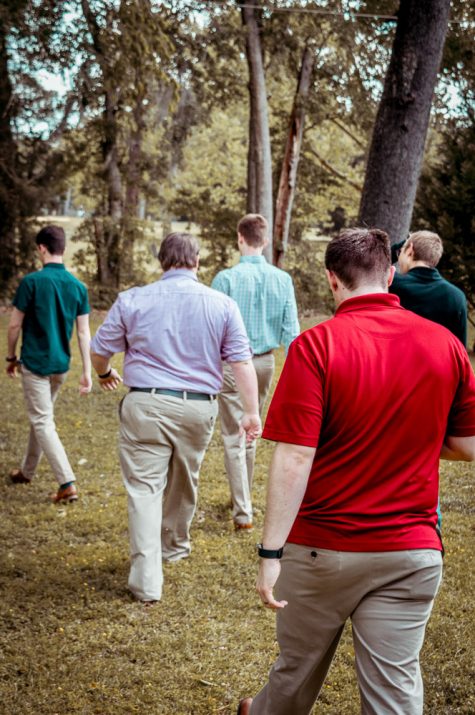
(11, 359)
(269, 553)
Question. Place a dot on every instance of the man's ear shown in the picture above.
(266, 242)
(332, 280)
(392, 272)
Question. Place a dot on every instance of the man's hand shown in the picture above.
(111, 382)
(251, 425)
(13, 368)
(85, 383)
(269, 571)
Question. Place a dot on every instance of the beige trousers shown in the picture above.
(162, 443)
(239, 458)
(40, 393)
(387, 595)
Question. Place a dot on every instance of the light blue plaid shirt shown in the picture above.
(265, 296)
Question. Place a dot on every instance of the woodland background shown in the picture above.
(133, 114)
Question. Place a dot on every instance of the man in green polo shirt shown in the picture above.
(46, 306)
(422, 289)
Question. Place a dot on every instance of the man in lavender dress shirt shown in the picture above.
(175, 334)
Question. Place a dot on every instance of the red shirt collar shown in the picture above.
(370, 300)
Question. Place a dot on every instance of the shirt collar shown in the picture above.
(252, 259)
(179, 273)
(424, 272)
(371, 300)
(55, 266)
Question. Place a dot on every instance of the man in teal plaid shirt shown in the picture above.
(265, 296)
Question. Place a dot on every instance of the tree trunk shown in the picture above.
(288, 174)
(259, 156)
(400, 129)
(111, 228)
(132, 192)
(8, 152)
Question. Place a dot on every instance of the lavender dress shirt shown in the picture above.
(174, 333)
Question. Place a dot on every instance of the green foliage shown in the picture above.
(305, 261)
(445, 204)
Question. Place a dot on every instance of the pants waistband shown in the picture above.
(269, 352)
(182, 394)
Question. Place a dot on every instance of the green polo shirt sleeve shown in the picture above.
(24, 294)
(83, 306)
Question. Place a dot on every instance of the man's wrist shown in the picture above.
(269, 553)
(105, 375)
(14, 358)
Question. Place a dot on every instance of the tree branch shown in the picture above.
(334, 171)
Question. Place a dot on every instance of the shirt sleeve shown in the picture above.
(290, 321)
(23, 295)
(84, 307)
(235, 346)
(296, 411)
(461, 421)
(111, 336)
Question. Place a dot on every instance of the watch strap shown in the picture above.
(269, 553)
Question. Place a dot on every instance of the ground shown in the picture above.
(72, 639)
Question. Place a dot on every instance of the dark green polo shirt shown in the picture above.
(51, 300)
(425, 292)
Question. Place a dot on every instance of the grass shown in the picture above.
(72, 639)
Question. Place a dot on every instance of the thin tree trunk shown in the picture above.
(288, 174)
(259, 156)
(397, 145)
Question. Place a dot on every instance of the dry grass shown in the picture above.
(74, 642)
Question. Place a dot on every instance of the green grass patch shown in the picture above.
(72, 639)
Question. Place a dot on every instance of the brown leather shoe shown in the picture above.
(17, 477)
(239, 526)
(65, 495)
(244, 707)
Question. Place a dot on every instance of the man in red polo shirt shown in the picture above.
(367, 404)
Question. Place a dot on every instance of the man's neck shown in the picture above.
(52, 258)
(419, 264)
(246, 250)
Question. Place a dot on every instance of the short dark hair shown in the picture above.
(53, 239)
(178, 250)
(427, 246)
(253, 228)
(359, 254)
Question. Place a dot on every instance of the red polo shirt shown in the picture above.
(375, 389)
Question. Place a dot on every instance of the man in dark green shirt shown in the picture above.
(422, 289)
(46, 306)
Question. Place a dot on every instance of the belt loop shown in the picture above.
(185, 395)
(152, 391)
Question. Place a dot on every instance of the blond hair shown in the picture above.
(427, 247)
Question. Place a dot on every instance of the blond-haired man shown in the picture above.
(422, 289)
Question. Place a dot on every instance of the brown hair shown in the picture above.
(359, 254)
(178, 250)
(253, 228)
(53, 239)
(427, 247)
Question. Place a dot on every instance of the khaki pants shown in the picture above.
(387, 595)
(239, 458)
(40, 393)
(162, 443)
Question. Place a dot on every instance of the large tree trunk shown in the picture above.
(399, 133)
(108, 249)
(288, 174)
(8, 151)
(259, 198)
